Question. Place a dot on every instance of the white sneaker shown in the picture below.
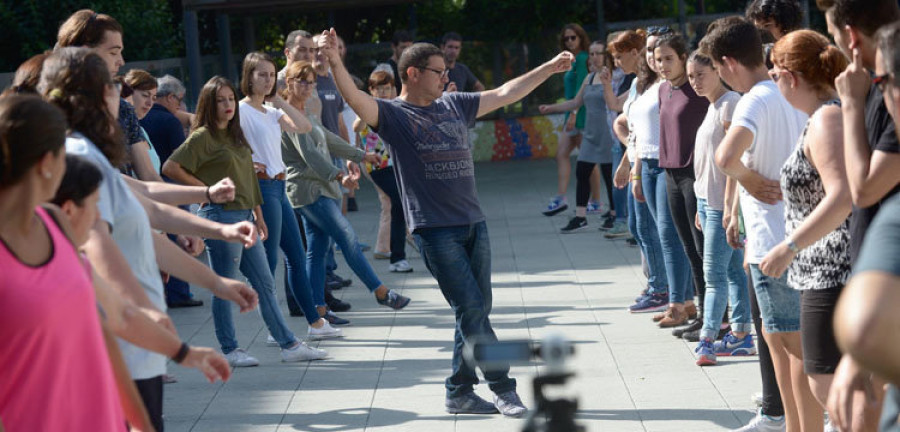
(240, 358)
(401, 266)
(270, 341)
(324, 332)
(302, 352)
(763, 423)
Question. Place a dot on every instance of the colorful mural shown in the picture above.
(516, 139)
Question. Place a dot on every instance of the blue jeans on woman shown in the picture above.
(225, 258)
(678, 272)
(284, 234)
(620, 196)
(323, 221)
(643, 228)
(459, 257)
(722, 266)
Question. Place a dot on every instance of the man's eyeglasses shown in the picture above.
(569, 38)
(658, 30)
(881, 81)
(442, 73)
(179, 99)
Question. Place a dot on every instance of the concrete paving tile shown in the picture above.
(388, 373)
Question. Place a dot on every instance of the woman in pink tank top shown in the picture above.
(56, 373)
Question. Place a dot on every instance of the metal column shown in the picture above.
(224, 29)
(192, 48)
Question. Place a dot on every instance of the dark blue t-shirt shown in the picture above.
(433, 159)
(165, 131)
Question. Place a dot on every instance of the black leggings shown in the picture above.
(583, 172)
(386, 181)
(683, 206)
(151, 391)
(771, 400)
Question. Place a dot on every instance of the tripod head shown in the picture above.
(550, 415)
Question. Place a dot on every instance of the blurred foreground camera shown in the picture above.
(550, 415)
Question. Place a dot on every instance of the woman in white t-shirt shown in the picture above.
(629, 52)
(262, 125)
(722, 265)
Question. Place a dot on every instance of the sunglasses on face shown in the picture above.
(658, 30)
(881, 81)
(570, 38)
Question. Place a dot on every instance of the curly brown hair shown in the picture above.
(75, 79)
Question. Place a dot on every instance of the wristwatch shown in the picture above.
(792, 246)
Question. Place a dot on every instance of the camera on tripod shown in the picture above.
(550, 415)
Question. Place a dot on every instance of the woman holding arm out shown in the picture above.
(216, 149)
(596, 148)
(262, 126)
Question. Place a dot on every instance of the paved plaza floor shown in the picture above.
(387, 374)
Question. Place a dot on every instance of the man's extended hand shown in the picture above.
(327, 43)
(562, 62)
(212, 364)
(222, 192)
(240, 232)
(193, 245)
(237, 292)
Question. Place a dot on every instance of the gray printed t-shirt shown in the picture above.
(432, 157)
(332, 102)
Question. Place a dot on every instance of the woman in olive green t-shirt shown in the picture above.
(216, 149)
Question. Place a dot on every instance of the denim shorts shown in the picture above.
(779, 304)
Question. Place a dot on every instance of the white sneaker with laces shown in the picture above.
(240, 358)
(324, 332)
(270, 341)
(302, 352)
(763, 423)
(401, 266)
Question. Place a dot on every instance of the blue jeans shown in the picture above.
(779, 304)
(678, 272)
(323, 221)
(722, 266)
(225, 258)
(643, 228)
(459, 257)
(620, 196)
(284, 234)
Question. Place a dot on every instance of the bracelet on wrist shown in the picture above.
(182, 353)
(635, 177)
(208, 196)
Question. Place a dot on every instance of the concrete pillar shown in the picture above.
(192, 48)
(227, 58)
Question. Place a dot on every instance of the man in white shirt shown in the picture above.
(764, 130)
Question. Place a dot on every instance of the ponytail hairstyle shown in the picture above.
(207, 111)
(629, 40)
(251, 62)
(75, 80)
(811, 55)
(86, 28)
(29, 129)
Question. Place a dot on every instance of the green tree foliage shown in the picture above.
(30, 26)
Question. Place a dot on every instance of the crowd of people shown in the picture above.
(756, 174)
